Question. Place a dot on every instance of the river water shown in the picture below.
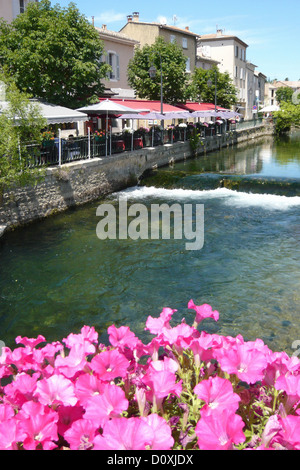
(57, 275)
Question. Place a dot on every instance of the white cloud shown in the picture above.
(110, 16)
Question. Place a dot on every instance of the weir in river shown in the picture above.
(56, 275)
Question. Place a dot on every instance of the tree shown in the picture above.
(284, 94)
(54, 54)
(166, 57)
(201, 90)
(287, 117)
(20, 122)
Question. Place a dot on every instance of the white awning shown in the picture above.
(54, 114)
(59, 114)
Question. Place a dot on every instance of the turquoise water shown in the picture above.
(56, 275)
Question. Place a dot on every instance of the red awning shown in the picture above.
(194, 106)
(146, 105)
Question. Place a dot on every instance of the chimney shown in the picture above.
(219, 32)
(135, 16)
(93, 20)
(187, 28)
(129, 18)
(104, 26)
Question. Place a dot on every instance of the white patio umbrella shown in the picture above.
(269, 109)
(107, 107)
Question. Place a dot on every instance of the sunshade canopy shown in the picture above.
(53, 113)
(107, 107)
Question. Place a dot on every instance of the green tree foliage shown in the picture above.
(287, 117)
(284, 94)
(167, 57)
(54, 54)
(20, 122)
(202, 91)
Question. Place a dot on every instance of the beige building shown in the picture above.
(10, 9)
(271, 88)
(147, 33)
(119, 49)
(231, 53)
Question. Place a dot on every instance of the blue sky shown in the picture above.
(269, 27)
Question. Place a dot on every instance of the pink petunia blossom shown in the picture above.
(203, 311)
(6, 412)
(122, 337)
(22, 388)
(39, 423)
(218, 394)
(73, 363)
(160, 384)
(31, 342)
(125, 434)
(56, 390)
(81, 434)
(66, 417)
(88, 337)
(289, 437)
(87, 386)
(291, 385)
(110, 403)
(162, 439)
(219, 430)
(11, 435)
(247, 363)
(154, 325)
(110, 364)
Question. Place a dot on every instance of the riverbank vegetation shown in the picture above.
(289, 114)
(20, 123)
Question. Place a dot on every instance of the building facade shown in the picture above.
(147, 33)
(10, 9)
(119, 49)
(231, 53)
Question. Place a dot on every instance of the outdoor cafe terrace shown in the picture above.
(150, 129)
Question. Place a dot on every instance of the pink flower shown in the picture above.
(39, 423)
(218, 394)
(247, 363)
(125, 434)
(290, 435)
(6, 412)
(291, 385)
(10, 435)
(160, 384)
(219, 430)
(180, 336)
(203, 311)
(122, 337)
(110, 364)
(81, 434)
(154, 325)
(22, 388)
(66, 417)
(31, 342)
(87, 386)
(162, 433)
(88, 337)
(73, 363)
(56, 390)
(110, 403)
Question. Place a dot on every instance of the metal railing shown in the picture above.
(59, 151)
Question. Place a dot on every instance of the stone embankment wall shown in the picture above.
(83, 181)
